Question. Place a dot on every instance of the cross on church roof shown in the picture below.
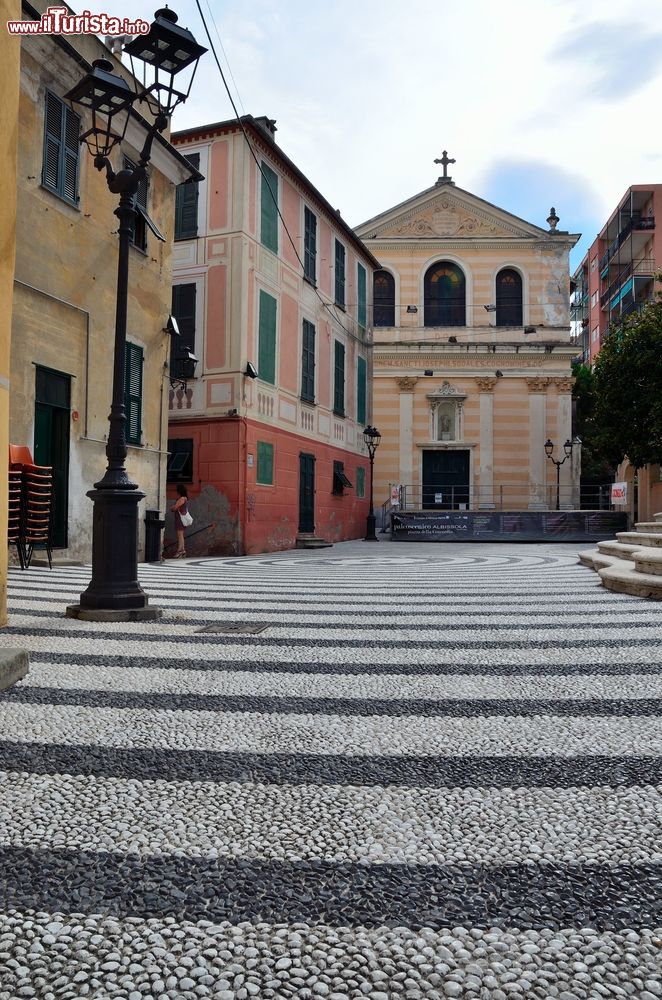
(445, 160)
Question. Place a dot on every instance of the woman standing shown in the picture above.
(180, 507)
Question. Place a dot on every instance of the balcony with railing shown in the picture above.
(637, 223)
(644, 268)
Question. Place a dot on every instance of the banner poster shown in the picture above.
(498, 526)
(619, 493)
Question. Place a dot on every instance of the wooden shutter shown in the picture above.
(361, 385)
(361, 289)
(265, 463)
(310, 245)
(133, 392)
(269, 211)
(186, 205)
(51, 169)
(308, 362)
(339, 379)
(267, 339)
(70, 155)
(340, 274)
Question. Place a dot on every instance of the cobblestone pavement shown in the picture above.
(435, 773)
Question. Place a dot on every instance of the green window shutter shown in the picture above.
(340, 274)
(269, 209)
(339, 379)
(61, 149)
(360, 481)
(70, 151)
(361, 385)
(133, 392)
(266, 363)
(308, 362)
(265, 464)
(186, 205)
(310, 245)
(52, 142)
(361, 288)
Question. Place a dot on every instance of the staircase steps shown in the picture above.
(632, 563)
(310, 541)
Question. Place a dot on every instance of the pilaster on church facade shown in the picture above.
(472, 353)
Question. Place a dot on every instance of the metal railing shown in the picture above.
(636, 223)
(503, 496)
(645, 267)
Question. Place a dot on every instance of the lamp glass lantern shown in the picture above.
(549, 448)
(372, 437)
(165, 52)
(109, 98)
(567, 447)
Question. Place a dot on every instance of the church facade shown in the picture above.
(472, 355)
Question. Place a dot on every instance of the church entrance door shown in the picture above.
(446, 479)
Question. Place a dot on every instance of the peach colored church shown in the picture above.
(472, 354)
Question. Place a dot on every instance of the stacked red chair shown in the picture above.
(37, 502)
(15, 511)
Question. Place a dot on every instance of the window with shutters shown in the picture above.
(265, 464)
(180, 460)
(186, 205)
(183, 309)
(310, 246)
(339, 379)
(340, 480)
(139, 229)
(60, 164)
(266, 362)
(361, 282)
(308, 362)
(360, 482)
(133, 392)
(269, 209)
(361, 387)
(340, 274)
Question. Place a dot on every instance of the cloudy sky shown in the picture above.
(541, 102)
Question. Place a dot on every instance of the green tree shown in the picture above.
(596, 466)
(628, 389)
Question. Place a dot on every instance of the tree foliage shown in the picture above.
(628, 389)
(596, 466)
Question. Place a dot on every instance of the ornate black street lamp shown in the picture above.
(372, 437)
(549, 451)
(114, 590)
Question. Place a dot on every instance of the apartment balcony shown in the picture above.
(635, 269)
(637, 223)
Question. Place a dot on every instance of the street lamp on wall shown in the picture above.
(549, 451)
(371, 437)
(184, 369)
(114, 589)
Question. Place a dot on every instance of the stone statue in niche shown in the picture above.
(446, 423)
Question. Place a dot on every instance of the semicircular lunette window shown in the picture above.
(445, 295)
(508, 298)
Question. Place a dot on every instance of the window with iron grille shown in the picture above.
(269, 209)
(180, 460)
(133, 392)
(139, 229)
(339, 379)
(308, 362)
(186, 205)
(340, 274)
(310, 246)
(61, 149)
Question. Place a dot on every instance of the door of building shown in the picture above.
(51, 443)
(306, 492)
(445, 479)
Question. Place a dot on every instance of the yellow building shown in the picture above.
(65, 292)
(472, 353)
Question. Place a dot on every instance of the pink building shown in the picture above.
(617, 274)
(272, 294)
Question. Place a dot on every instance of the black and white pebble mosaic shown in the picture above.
(452, 789)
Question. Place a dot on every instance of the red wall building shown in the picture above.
(272, 295)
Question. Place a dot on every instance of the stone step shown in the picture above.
(594, 559)
(648, 526)
(621, 576)
(658, 517)
(649, 561)
(312, 542)
(618, 549)
(640, 538)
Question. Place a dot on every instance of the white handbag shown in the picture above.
(186, 519)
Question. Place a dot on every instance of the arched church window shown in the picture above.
(384, 299)
(444, 295)
(508, 298)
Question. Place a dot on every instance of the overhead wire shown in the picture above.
(326, 305)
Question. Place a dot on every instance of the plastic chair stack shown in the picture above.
(38, 495)
(14, 520)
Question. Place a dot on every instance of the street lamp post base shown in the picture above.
(370, 535)
(114, 587)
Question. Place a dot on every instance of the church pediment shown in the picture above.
(449, 213)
